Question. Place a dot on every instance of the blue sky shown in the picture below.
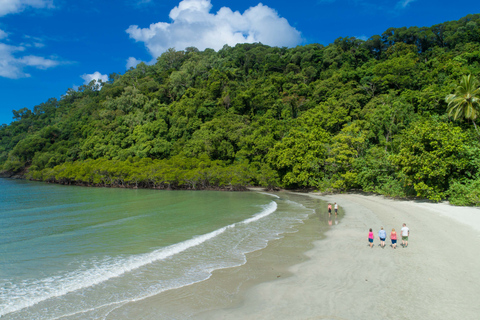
(48, 46)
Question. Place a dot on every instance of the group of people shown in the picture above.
(335, 205)
(382, 235)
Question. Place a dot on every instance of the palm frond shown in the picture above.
(466, 99)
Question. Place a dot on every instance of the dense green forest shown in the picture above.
(370, 115)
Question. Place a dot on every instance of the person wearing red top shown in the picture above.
(393, 237)
(370, 238)
(329, 208)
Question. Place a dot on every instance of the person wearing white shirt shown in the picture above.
(405, 233)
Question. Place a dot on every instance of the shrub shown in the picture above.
(465, 194)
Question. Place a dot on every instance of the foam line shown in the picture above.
(84, 279)
(58, 286)
(269, 194)
(271, 208)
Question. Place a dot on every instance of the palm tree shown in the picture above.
(465, 102)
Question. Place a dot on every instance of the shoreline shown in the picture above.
(226, 288)
(319, 269)
(435, 277)
(245, 237)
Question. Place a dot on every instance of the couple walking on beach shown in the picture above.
(382, 235)
(330, 208)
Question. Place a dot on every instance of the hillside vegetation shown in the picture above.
(355, 114)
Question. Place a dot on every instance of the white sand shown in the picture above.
(436, 277)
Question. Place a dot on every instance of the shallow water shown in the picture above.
(74, 252)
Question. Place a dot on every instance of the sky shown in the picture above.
(49, 46)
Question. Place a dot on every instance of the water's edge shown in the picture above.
(206, 265)
(227, 288)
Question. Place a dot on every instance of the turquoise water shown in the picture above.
(78, 253)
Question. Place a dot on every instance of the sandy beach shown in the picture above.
(436, 277)
(327, 270)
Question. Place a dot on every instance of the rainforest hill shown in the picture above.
(369, 115)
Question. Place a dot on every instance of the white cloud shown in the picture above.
(94, 76)
(12, 66)
(35, 41)
(132, 62)
(193, 25)
(14, 6)
(3, 34)
(403, 3)
(38, 62)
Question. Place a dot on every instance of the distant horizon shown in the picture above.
(47, 47)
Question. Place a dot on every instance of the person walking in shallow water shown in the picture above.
(335, 207)
(393, 237)
(370, 238)
(405, 233)
(329, 209)
(381, 236)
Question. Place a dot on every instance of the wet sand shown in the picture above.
(330, 272)
(227, 288)
(436, 277)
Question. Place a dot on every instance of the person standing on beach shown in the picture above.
(405, 234)
(370, 238)
(393, 237)
(381, 236)
(336, 208)
(329, 209)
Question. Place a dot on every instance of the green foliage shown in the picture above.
(347, 146)
(467, 194)
(300, 155)
(432, 153)
(355, 114)
(13, 164)
(386, 116)
(465, 102)
(175, 173)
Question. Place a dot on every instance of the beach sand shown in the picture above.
(436, 277)
(330, 272)
(226, 287)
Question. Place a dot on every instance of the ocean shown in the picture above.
(69, 252)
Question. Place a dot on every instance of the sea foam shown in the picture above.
(17, 297)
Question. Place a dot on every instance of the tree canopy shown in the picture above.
(370, 115)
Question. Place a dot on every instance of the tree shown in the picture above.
(432, 155)
(368, 114)
(300, 156)
(465, 102)
(346, 147)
